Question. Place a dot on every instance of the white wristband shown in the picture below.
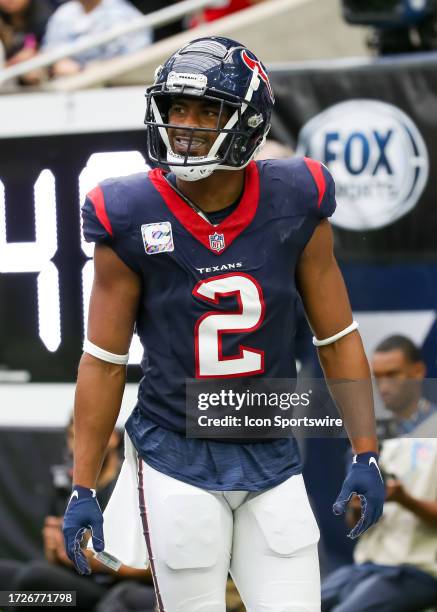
(352, 327)
(100, 353)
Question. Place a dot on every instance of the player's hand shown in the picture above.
(82, 513)
(365, 480)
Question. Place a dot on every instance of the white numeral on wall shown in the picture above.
(36, 257)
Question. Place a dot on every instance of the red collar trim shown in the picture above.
(229, 228)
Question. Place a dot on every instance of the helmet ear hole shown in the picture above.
(255, 120)
(237, 150)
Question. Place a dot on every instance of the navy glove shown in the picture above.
(82, 513)
(365, 480)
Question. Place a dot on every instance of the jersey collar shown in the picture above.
(219, 237)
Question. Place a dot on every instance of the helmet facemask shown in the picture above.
(236, 143)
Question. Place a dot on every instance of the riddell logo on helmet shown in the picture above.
(179, 80)
(252, 64)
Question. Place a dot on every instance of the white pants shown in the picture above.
(193, 537)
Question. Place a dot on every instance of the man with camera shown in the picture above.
(395, 567)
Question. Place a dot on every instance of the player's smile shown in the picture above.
(190, 113)
(181, 143)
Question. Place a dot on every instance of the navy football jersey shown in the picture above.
(217, 301)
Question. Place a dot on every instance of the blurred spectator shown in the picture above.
(399, 371)
(22, 26)
(395, 567)
(150, 6)
(78, 18)
(221, 9)
(56, 572)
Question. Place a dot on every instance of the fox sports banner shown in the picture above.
(373, 124)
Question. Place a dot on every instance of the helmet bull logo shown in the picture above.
(252, 64)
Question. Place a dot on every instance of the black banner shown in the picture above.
(374, 125)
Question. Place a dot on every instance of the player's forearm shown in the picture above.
(99, 392)
(347, 373)
(125, 572)
(423, 509)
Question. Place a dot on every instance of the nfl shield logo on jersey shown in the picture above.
(217, 242)
(157, 237)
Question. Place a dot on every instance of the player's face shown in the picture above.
(189, 113)
(398, 379)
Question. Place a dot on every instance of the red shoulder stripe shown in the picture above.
(98, 200)
(315, 168)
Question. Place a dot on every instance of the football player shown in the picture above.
(204, 257)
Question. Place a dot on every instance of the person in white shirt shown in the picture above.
(395, 567)
(79, 18)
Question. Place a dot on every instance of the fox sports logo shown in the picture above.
(377, 156)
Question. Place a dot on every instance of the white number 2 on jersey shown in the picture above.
(211, 326)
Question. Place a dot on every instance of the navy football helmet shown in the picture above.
(222, 71)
